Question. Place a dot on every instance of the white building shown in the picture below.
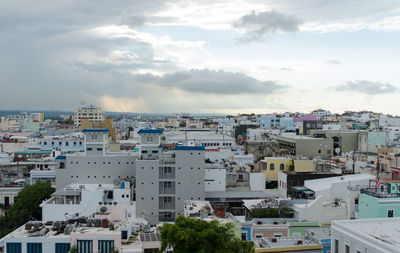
(215, 178)
(96, 165)
(331, 197)
(365, 236)
(164, 180)
(205, 138)
(84, 200)
(91, 112)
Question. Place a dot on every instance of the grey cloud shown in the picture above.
(216, 82)
(133, 20)
(333, 11)
(264, 24)
(367, 87)
(285, 69)
(334, 61)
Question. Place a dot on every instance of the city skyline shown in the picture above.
(219, 57)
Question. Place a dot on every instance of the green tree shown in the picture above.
(282, 210)
(199, 236)
(26, 207)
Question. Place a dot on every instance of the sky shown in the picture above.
(206, 56)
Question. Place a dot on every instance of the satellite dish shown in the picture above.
(103, 209)
(337, 150)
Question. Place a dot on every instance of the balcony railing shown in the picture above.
(379, 193)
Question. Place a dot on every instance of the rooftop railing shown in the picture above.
(379, 193)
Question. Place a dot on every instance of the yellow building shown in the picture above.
(107, 124)
(275, 164)
(303, 165)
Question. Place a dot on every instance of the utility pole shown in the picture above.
(354, 163)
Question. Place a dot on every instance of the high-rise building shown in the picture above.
(91, 112)
(165, 179)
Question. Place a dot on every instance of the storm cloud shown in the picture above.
(217, 82)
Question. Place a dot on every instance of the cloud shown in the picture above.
(257, 26)
(334, 61)
(367, 87)
(133, 21)
(286, 69)
(216, 82)
(122, 104)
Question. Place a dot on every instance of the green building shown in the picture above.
(378, 203)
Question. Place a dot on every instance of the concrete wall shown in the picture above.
(215, 179)
(257, 181)
(314, 147)
(190, 166)
(147, 190)
(95, 169)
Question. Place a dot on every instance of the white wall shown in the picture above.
(257, 181)
(48, 243)
(282, 179)
(215, 179)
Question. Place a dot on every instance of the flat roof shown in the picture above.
(382, 234)
(325, 183)
(297, 137)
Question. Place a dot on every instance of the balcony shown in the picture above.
(378, 193)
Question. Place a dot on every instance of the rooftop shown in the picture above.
(287, 244)
(325, 183)
(382, 234)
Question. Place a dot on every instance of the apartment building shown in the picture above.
(91, 112)
(96, 165)
(165, 179)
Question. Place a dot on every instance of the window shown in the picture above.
(336, 246)
(106, 245)
(271, 166)
(34, 247)
(319, 151)
(14, 247)
(390, 213)
(99, 149)
(63, 247)
(347, 248)
(89, 149)
(258, 236)
(84, 245)
(282, 166)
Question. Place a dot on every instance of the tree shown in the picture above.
(26, 207)
(272, 209)
(199, 236)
